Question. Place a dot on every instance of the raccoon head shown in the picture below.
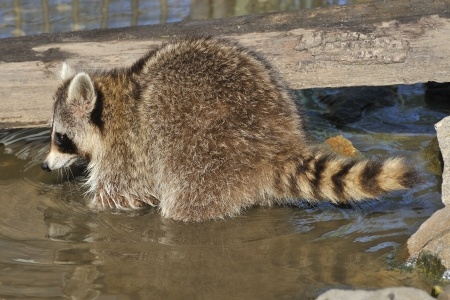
(74, 133)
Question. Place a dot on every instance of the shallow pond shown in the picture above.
(52, 246)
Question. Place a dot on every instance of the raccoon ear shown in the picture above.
(67, 72)
(81, 95)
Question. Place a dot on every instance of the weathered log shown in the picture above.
(392, 42)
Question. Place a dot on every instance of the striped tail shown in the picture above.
(339, 180)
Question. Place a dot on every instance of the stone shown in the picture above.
(432, 239)
(430, 245)
(441, 293)
(342, 146)
(433, 157)
(443, 135)
(349, 104)
(444, 294)
(397, 293)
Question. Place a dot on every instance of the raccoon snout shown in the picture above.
(45, 167)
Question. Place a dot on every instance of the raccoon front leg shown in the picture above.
(103, 200)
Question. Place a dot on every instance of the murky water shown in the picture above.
(52, 246)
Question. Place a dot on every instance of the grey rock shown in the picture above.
(394, 293)
(443, 135)
(433, 238)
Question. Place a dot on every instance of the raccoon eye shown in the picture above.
(64, 143)
(59, 139)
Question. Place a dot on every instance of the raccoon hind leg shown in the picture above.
(196, 204)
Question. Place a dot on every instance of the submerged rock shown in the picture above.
(433, 157)
(349, 104)
(342, 146)
(387, 293)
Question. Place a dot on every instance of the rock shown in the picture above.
(443, 135)
(348, 104)
(433, 157)
(430, 245)
(445, 294)
(397, 293)
(441, 293)
(342, 146)
(432, 239)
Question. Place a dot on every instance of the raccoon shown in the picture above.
(202, 128)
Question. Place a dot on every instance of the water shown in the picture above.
(28, 17)
(53, 246)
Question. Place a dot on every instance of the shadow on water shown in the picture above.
(54, 246)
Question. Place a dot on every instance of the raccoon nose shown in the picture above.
(45, 167)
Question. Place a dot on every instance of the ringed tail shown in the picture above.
(340, 180)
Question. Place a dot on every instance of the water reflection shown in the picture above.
(28, 17)
(259, 255)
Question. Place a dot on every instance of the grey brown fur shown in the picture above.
(202, 128)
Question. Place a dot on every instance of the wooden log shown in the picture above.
(390, 42)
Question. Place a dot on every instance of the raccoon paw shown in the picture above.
(102, 202)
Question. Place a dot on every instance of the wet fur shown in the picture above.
(203, 128)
